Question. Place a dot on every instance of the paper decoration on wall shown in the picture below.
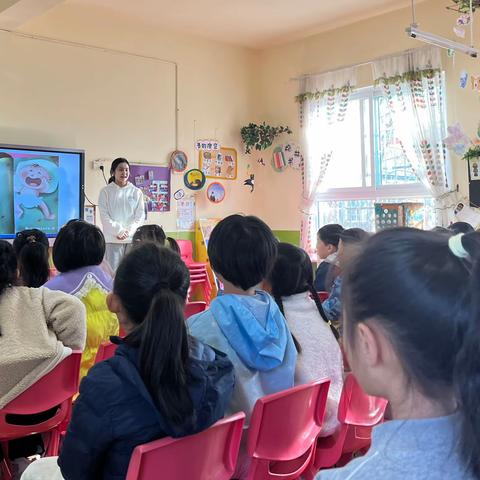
(178, 161)
(465, 213)
(293, 155)
(475, 82)
(459, 32)
(457, 140)
(474, 169)
(155, 184)
(207, 145)
(389, 215)
(279, 162)
(464, 20)
(216, 192)
(463, 79)
(261, 162)
(179, 194)
(220, 164)
(89, 213)
(250, 182)
(186, 213)
(194, 179)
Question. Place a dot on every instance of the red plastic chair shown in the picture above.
(193, 308)
(105, 351)
(283, 430)
(358, 413)
(55, 390)
(186, 253)
(208, 455)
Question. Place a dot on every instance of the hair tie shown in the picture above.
(162, 285)
(456, 246)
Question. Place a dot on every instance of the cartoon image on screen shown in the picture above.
(36, 192)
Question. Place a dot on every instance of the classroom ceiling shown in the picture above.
(249, 23)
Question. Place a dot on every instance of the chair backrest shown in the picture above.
(105, 351)
(357, 408)
(208, 455)
(193, 308)
(186, 250)
(55, 389)
(284, 425)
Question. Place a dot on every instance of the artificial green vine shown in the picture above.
(317, 95)
(260, 136)
(412, 76)
(472, 153)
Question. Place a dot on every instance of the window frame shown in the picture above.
(373, 192)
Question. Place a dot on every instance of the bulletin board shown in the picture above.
(221, 164)
(154, 182)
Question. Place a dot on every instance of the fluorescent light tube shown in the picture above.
(443, 42)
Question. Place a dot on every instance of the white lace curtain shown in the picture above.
(414, 85)
(324, 103)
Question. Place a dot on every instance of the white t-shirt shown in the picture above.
(320, 356)
(121, 209)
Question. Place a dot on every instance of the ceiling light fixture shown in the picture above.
(414, 32)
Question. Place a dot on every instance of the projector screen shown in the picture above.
(39, 188)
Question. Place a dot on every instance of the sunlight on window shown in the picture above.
(345, 168)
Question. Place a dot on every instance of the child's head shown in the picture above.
(8, 265)
(351, 242)
(242, 250)
(31, 248)
(119, 171)
(78, 244)
(154, 233)
(149, 293)
(411, 322)
(461, 227)
(327, 240)
(149, 233)
(292, 273)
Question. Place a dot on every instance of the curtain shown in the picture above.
(414, 86)
(323, 107)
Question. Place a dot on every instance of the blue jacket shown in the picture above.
(253, 333)
(114, 412)
(332, 306)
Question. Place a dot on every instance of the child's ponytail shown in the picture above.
(152, 284)
(164, 354)
(467, 366)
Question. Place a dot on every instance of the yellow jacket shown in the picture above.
(91, 285)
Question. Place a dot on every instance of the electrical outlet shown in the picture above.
(99, 162)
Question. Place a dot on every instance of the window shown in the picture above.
(368, 167)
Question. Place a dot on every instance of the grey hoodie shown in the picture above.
(424, 449)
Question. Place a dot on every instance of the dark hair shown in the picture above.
(441, 230)
(155, 233)
(172, 243)
(242, 249)
(152, 284)
(426, 299)
(31, 248)
(330, 234)
(114, 166)
(461, 227)
(78, 244)
(293, 273)
(354, 235)
(151, 233)
(8, 266)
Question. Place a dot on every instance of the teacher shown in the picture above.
(121, 211)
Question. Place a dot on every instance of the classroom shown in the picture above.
(239, 240)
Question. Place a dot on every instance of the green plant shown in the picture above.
(472, 152)
(260, 136)
(463, 6)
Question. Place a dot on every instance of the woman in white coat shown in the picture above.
(122, 211)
